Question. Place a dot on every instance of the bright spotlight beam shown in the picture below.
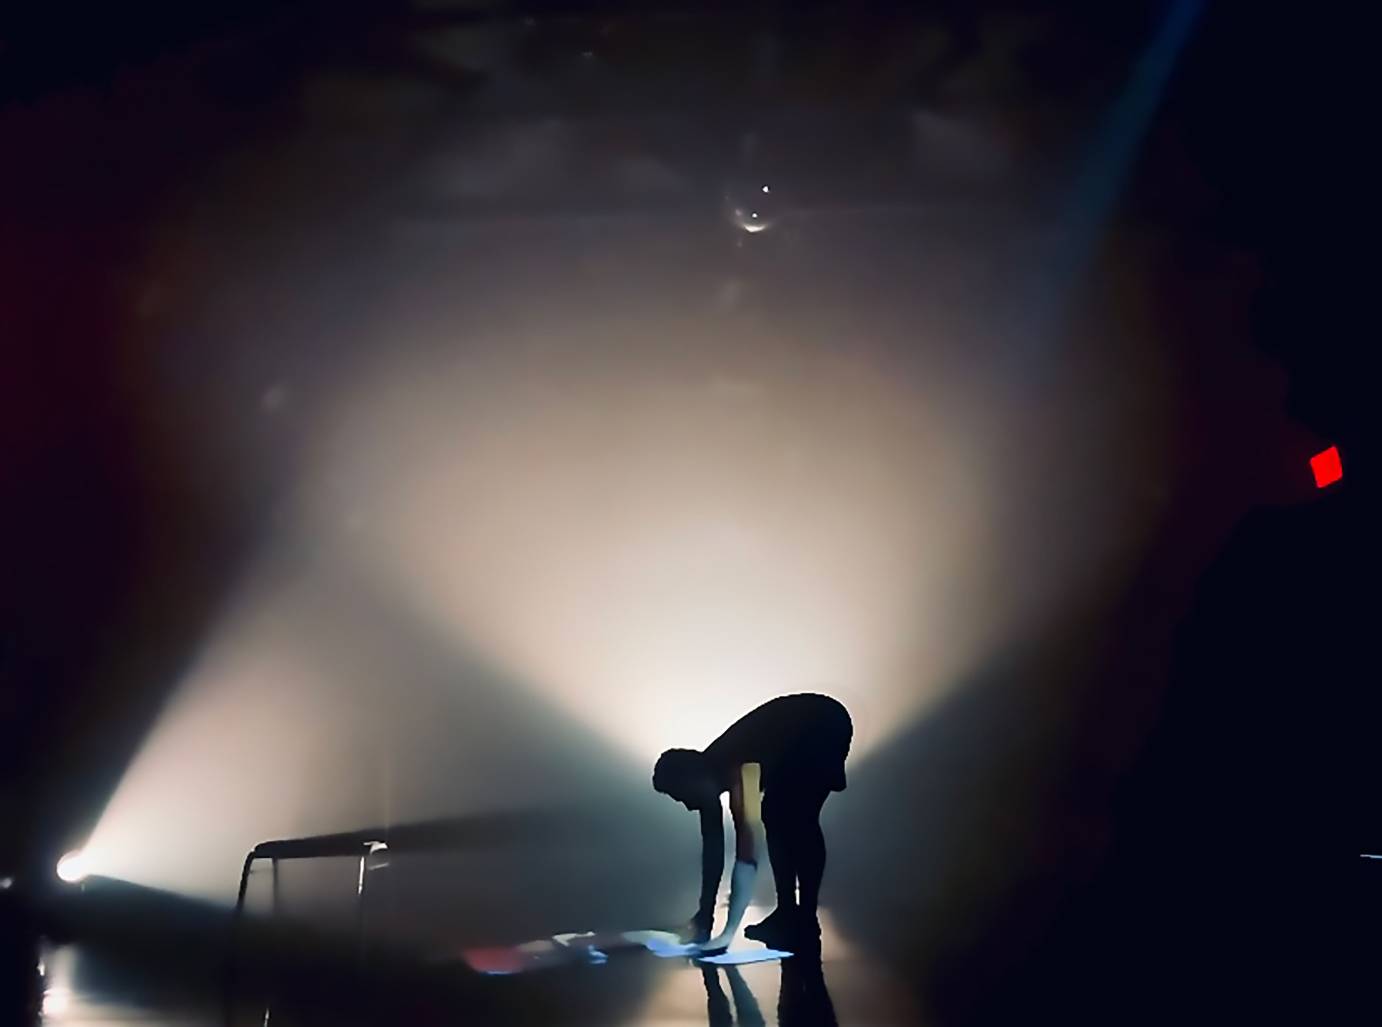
(73, 866)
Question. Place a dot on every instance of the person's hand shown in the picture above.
(715, 946)
(696, 931)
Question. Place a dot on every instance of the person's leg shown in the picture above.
(809, 852)
(781, 854)
(797, 850)
(781, 821)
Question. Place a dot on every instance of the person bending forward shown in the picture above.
(790, 751)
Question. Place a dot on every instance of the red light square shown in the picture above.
(1327, 467)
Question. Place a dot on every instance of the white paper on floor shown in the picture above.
(592, 948)
(741, 956)
(660, 943)
(665, 945)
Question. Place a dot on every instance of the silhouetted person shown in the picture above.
(791, 751)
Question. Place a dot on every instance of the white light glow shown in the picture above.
(750, 220)
(658, 544)
(244, 749)
(56, 1002)
(74, 867)
(642, 528)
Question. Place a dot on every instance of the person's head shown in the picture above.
(685, 776)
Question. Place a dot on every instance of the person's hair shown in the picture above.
(676, 767)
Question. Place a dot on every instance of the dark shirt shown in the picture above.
(797, 740)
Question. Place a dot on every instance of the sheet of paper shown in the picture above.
(738, 957)
(662, 944)
(592, 948)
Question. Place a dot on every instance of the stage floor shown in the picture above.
(88, 983)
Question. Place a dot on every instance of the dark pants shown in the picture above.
(794, 790)
(796, 844)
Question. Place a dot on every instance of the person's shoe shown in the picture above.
(777, 929)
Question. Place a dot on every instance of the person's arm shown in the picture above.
(744, 808)
(712, 868)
